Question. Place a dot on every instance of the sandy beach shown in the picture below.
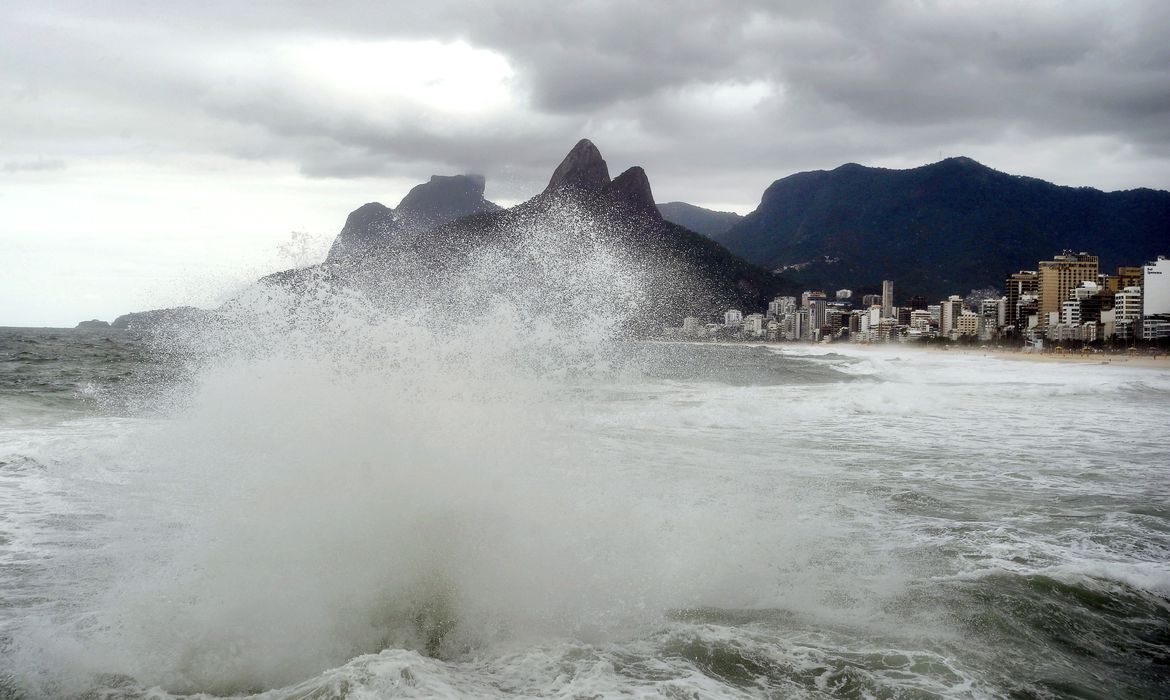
(1150, 361)
(1099, 358)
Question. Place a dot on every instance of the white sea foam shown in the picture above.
(345, 472)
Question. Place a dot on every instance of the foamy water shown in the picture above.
(732, 521)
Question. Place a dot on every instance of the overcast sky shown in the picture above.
(156, 152)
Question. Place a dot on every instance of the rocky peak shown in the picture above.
(442, 199)
(583, 171)
(367, 213)
(437, 201)
(364, 227)
(445, 197)
(631, 192)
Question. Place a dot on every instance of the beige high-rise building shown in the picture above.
(1061, 274)
(949, 312)
(967, 323)
(1128, 276)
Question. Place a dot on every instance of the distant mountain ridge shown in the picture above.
(939, 229)
(710, 223)
(935, 230)
(687, 273)
(441, 199)
(683, 272)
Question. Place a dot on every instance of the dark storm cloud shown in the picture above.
(818, 84)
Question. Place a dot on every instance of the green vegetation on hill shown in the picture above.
(939, 229)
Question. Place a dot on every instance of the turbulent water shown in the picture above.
(511, 507)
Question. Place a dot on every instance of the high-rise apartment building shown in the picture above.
(1127, 310)
(800, 326)
(1156, 287)
(1061, 274)
(1017, 285)
(993, 311)
(1156, 299)
(1127, 304)
(887, 298)
(780, 306)
(809, 295)
(967, 323)
(817, 312)
(949, 312)
(1127, 276)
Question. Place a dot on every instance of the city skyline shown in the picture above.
(1066, 299)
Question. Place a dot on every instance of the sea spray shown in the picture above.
(388, 461)
(672, 519)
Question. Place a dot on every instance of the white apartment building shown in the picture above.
(1085, 332)
(1128, 304)
(753, 325)
(1127, 310)
(920, 320)
(780, 306)
(1156, 287)
(733, 317)
(1156, 299)
(1070, 313)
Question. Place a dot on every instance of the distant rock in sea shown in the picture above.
(95, 324)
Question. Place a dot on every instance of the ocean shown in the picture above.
(371, 510)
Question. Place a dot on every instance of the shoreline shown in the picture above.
(1102, 358)
(1161, 361)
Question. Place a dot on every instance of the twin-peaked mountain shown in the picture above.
(939, 229)
(446, 226)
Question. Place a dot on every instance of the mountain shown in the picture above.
(178, 316)
(443, 198)
(684, 273)
(710, 223)
(939, 229)
(534, 253)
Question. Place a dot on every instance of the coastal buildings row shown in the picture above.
(1065, 299)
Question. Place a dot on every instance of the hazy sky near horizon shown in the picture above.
(160, 153)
